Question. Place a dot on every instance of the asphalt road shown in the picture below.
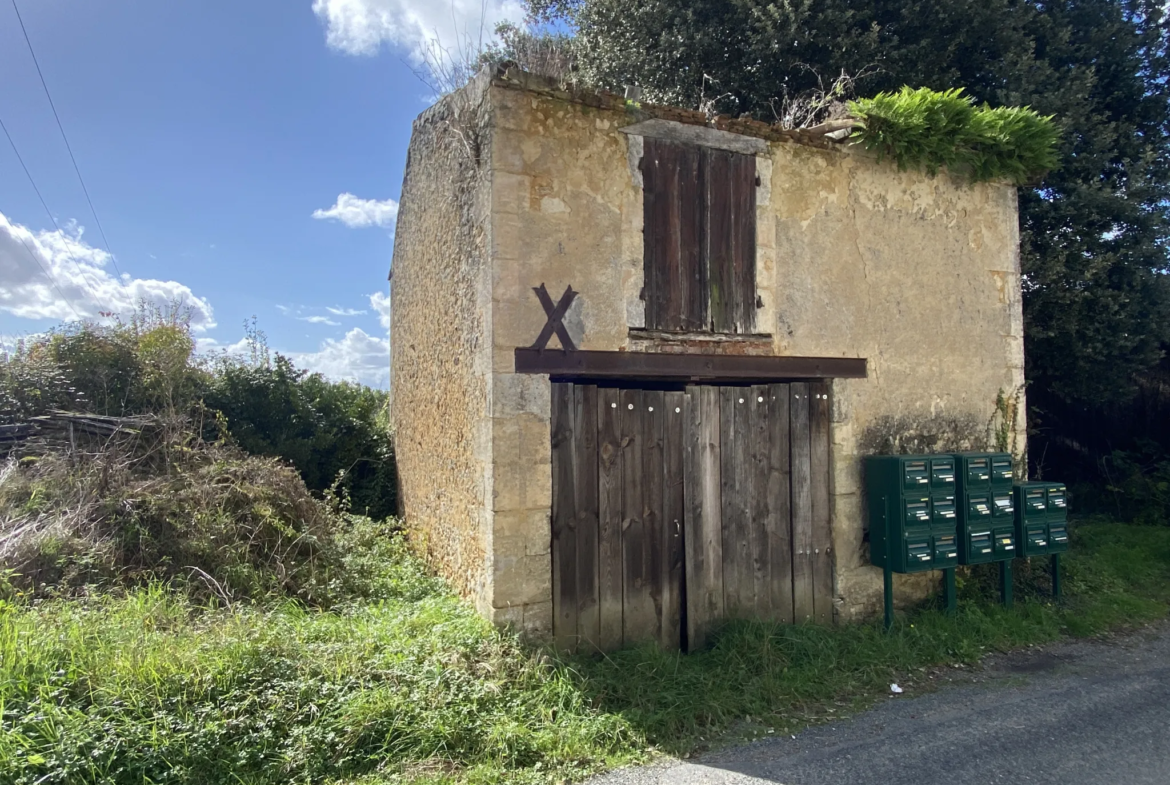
(1072, 714)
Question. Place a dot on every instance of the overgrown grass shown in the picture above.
(409, 685)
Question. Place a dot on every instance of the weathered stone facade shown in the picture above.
(511, 183)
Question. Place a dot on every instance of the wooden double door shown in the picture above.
(674, 510)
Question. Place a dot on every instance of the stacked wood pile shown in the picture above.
(61, 431)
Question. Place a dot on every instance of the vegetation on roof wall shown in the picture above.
(929, 129)
(1094, 231)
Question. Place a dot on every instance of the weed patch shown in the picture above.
(402, 682)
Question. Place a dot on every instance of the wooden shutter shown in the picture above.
(730, 239)
(700, 238)
(676, 279)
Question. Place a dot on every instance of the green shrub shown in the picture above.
(930, 129)
(335, 433)
(1137, 486)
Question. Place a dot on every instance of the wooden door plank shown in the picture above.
(692, 275)
(585, 455)
(762, 513)
(738, 574)
(717, 235)
(609, 491)
(822, 523)
(742, 305)
(637, 607)
(780, 496)
(671, 227)
(653, 476)
(702, 528)
(801, 462)
(674, 453)
(564, 537)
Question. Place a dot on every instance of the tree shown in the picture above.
(1094, 232)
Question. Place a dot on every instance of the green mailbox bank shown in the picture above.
(987, 523)
(1041, 518)
(913, 513)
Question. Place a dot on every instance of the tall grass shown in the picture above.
(407, 684)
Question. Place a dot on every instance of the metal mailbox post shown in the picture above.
(932, 512)
(913, 519)
(987, 525)
(1042, 523)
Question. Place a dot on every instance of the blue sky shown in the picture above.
(244, 157)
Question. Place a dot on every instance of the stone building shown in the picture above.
(637, 357)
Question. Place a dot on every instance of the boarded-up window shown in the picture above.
(700, 238)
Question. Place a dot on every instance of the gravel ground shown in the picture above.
(1074, 713)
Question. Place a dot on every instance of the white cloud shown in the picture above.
(358, 357)
(57, 275)
(346, 311)
(360, 27)
(319, 320)
(359, 213)
(380, 302)
(212, 346)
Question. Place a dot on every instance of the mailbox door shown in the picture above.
(980, 548)
(916, 475)
(946, 551)
(979, 509)
(1057, 500)
(1057, 537)
(978, 472)
(918, 550)
(916, 511)
(942, 474)
(1003, 507)
(1035, 539)
(1001, 470)
(943, 511)
(1032, 502)
(1004, 542)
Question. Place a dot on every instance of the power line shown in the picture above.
(45, 270)
(68, 147)
(52, 218)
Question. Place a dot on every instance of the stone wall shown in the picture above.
(918, 274)
(440, 321)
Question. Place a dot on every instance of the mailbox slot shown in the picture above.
(946, 551)
(917, 512)
(978, 508)
(917, 550)
(916, 475)
(1004, 543)
(1036, 540)
(1057, 500)
(1001, 470)
(978, 471)
(1003, 507)
(942, 474)
(942, 511)
(1057, 537)
(1034, 502)
(981, 545)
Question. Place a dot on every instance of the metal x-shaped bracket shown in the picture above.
(556, 314)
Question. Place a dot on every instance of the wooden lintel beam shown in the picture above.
(686, 367)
